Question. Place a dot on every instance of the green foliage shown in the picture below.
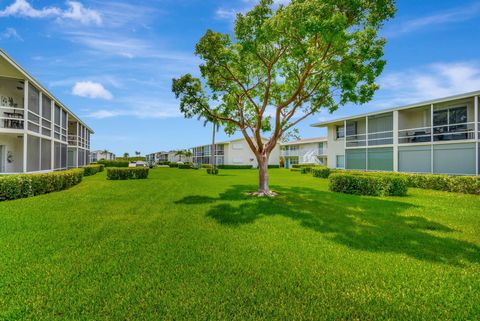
(206, 165)
(127, 173)
(26, 185)
(235, 166)
(295, 169)
(131, 159)
(212, 171)
(173, 165)
(372, 185)
(186, 166)
(273, 166)
(92, 169)
(321, 172)
(114, 163)
(163, 163)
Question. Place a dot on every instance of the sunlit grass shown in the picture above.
(186, 245)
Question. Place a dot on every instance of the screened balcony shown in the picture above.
(11, 103)
(356, 132)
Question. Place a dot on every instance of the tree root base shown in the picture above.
(263, 194)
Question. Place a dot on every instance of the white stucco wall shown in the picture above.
(239, 153)
(14, 145)
(335, 146)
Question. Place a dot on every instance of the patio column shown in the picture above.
(395, 140)
(475, 106)
(366, 143)
(431, 139)
(25, 125)
(344, 145)
(52, 129)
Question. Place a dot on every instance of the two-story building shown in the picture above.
(232, 152)
(97, 155)
(38, 133)
(171, 156)
(436, 136)
(304, 151)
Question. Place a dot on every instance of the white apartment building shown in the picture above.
(170, 156)
(38, 133)
(304, 151)
(97, 155)
(437, 136)
(232, 152)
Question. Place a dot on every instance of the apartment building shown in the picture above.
(37, 132)
(304, 151)
(170, 156)
(97, 155)
(232, 152)
(436, 136)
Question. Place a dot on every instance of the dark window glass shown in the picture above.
(340, 132)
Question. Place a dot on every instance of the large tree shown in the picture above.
(284, 64)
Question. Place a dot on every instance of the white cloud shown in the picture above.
(75, 11)
(428, 82)
(91, 90)
(10, 33)
(452, 15)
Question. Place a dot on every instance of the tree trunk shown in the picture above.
(212, 151)
(263, 187)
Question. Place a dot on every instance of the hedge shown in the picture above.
(372, 185)
(93, 169)
(321, 172)
(212, 171)
(175, 165)
(235, 166)
(114, 163)
(163, 163)
(185, 166)
(26, 185)
(131, 159)
(273, 166)
(127, 173)
(303, 165)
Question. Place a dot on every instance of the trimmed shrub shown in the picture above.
(273, 166)
(131, 159)
(321, 172)
(93, 169)
(303, 165)
(127, 173)
(235, 166)
(372, 185)
(26, 185)
(173, 165)
(185, 166)
(163, 163)
(113, 163)
(207, 166)
(212, 171)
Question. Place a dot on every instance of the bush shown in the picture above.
(303, 165)
(372, 185)
(295, 169)
(127, 173)
(235, 166)
(163, 163)
(273, 166)
(206, 165)
(26, 185)
(173, 165)
(93, 169)
(113, 163)
(212, 171)
(185, 166)
(321, 172)
(131, 159)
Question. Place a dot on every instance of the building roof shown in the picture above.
(305, 141)
(226, 142)
(30, 78)
(420, 104)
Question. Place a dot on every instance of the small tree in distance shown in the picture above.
(283, 65)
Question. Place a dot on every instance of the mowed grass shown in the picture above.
(185, 245)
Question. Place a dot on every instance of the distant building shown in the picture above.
(97, 155)
(304, 151)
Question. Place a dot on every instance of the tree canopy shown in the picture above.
(285, 63)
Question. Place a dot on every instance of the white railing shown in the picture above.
(290, 153)
(459, 131)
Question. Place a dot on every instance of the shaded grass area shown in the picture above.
(187, 245)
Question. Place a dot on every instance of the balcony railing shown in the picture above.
(460, 131)
(11, 118)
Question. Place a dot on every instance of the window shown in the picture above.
(450, 120)
(340, 130)
(351, 128)
(340, 161)
(321, 150)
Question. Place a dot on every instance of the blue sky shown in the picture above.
(112, 62)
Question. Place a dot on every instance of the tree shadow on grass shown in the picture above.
(364, 223)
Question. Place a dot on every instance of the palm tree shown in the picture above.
(137, 153)
(126, 154)
(187, 153)
(180, 153)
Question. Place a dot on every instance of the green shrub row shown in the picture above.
(186, 166)
(321, 172)
(303, 165)
(93, 169)
(131, 159)
(235, 166)
(273, 166)
(26, 185)
(114, 163)
(212, 171)
(127, 173)
(163, 163)
(372, 185)
(174, 165)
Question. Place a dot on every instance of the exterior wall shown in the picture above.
(304, 153)
(336, 147)
(12, 146)
(239, 153)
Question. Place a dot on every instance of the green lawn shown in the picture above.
(185, 245)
